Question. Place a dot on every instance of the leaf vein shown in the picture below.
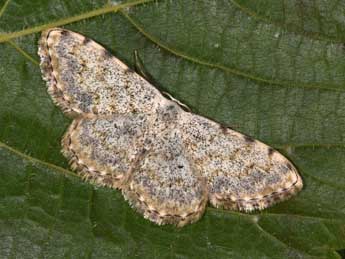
(233, 71)
(288, 147)
(3, 8)
(333, 185)
(274, 238)
(23, 52)
(309, 34)
(35, 160)
(270, 214)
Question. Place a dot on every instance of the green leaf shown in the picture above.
(271, 69)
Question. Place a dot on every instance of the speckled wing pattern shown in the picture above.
(167, 162)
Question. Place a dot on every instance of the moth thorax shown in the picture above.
(169, 111)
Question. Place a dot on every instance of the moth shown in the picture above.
(167, 162)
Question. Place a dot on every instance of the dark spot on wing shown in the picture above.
(86, 41)
(129, 70)
(107, 54)
(224, 128)
(248, 139)
(271, 151)
(64, 32)
(288, 165)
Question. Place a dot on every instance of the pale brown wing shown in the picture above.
(103, 150)
(243, 174)
(84, 78)
(164, 185)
